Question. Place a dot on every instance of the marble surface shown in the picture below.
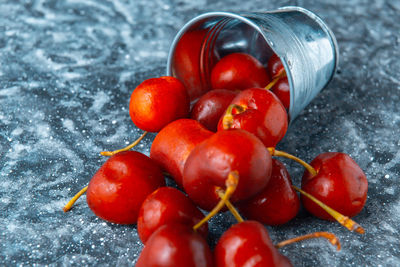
(66, 74)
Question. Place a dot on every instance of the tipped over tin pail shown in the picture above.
(304, 43)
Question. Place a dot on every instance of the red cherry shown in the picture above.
(312, 172)
(247, 244)
(211, 106)
(238, 71)
(249, 120)
(173, 144)
(157, 102)
(117, 190)
(167, 205)
(186, 62)
(339, 183)
(278, 203)
(209, 164)
(175, 245)
(282, 90)
(274, 66)
(260, 112)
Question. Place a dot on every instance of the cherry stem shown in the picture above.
(342, 219)
(74, 199)
(329, 236)
(230, 183)
(281, 75)
(278, 153)
(231, 208)
(228, 117)
(111, 153)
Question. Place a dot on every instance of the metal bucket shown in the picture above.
(304, 43)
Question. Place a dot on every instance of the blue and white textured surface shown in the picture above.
(67, 70)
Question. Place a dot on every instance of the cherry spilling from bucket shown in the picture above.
(280, 85)
(211, 161)
(211, 106)
(155, 103)
(259, 112)
(277, 203)
(238, 71)
(113, 193)
(167, 205)
(221, 158)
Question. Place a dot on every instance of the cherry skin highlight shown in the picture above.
(210, 162)
(248, 244)
(340, 183)
(238, 71)
(168, 205)
(173, 144)
(278, 203)
(157, 102)
(175, 245)
(117, 190)
(211, 106)
(262, 114)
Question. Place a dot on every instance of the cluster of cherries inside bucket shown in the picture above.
(220, 153)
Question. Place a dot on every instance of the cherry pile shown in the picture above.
(220, 154)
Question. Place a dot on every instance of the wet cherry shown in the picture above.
(168, 205)
(274, 66)
(157, 102)
(210, 162)
(278, 203)
(313, 172)
(211, 106)
(238, 71)
(281, 88)
(257, 111)
(186, 62)
(339, 183)
(117, 190)
(175, 245)
(247, 244)
(173, 144)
